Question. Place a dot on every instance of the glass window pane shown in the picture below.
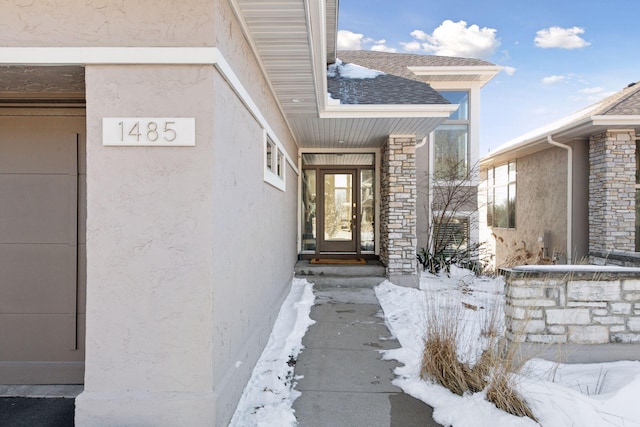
(280, 169)
(452, 236)
(461, 98)
(502, 175)
(512, 172)
(308, 210)
(367, 212)
(490, 207)
(500, 207)
(451, 151)
(512, 206)
(269, 149)
(337, 207)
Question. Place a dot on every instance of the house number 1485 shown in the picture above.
(148, 131)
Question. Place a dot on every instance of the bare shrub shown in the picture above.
(494, 370)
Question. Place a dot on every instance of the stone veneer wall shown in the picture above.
(612, 162)
(578, 305)
(398, 195)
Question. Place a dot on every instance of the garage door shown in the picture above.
(41, 255)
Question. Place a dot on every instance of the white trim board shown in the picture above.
(50, 56)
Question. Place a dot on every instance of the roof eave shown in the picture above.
(387, 111)
(471, 73)
(580, 129)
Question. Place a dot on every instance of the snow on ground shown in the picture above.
(603, 394)
(585, 395)
(268, 398)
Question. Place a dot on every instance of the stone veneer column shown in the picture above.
(612, 158)
(398, 238)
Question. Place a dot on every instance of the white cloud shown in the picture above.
(591, 94)
(509, 70)
(420, 35)
(413, 46)
(553, 79)
(591, 90)
(350, 41)
(456, 39)
(381, 46)
(563, 38)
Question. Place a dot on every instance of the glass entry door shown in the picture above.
(338, 216)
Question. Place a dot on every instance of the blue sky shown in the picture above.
(559, 56)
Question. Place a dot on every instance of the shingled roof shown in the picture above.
(397, 63)
(398, 85)
(624, 103)
(383, 89)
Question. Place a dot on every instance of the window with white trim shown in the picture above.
(274, 163)
(452, 139)
(501, 196)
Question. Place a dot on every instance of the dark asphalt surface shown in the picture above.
(36, 412)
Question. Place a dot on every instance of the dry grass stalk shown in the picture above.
(501, 392)
(493, 371)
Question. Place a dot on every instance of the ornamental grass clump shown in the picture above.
(446, 359)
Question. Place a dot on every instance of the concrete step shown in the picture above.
(323, 282)
(341, 275)
(372, 268)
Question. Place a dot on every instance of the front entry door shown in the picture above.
(338, 228)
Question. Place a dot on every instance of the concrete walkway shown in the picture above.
(345, 382)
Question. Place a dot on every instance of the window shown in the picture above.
(501, 196)
(274, 163)
(451, 152)
(461, 98)
(451, 235)
(451, 140)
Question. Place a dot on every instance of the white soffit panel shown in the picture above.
(280, 33)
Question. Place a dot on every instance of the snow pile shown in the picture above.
(559, 395)
(351, 71)
(268, 397)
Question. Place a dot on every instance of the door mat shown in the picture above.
(337, 261)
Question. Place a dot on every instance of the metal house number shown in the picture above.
(148, 131)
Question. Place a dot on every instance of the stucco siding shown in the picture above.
(541, 203)
(107, 23)
(254, 246)
(149, 234)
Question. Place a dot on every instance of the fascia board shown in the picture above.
(616, 120)
(316, 24)
(388, 111)
(482, 73)
(108, 55)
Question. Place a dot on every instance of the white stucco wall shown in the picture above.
(190, 252)
(149, 250)
(254, 249)
(107, 23)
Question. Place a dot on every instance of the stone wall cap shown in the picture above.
(579, 270)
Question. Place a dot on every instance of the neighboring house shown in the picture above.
(162, 169)
(566, 193)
